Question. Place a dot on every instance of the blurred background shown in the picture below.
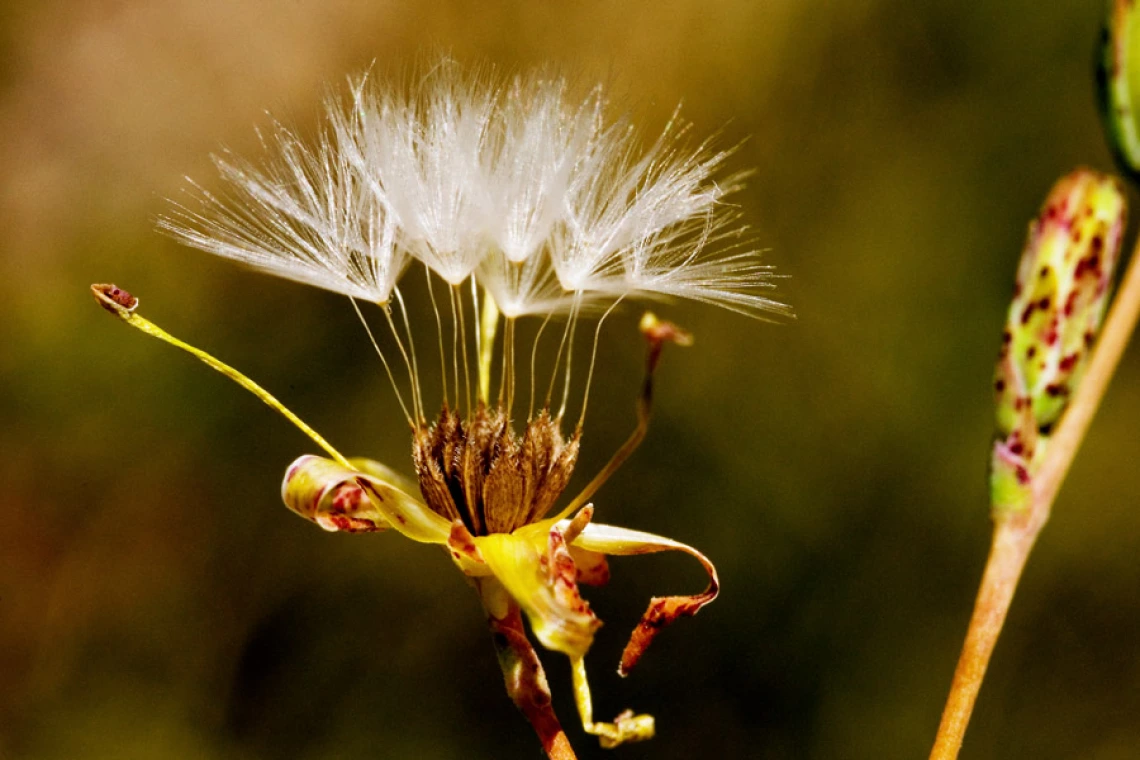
(157, 600)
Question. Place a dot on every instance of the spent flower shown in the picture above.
(526, 202)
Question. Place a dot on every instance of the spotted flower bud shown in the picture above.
(1059, 299)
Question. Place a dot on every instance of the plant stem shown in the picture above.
(1008, 553)
(1014, 534)
(526, 681)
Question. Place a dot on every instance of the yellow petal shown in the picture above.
(465, 552)
(663, 610)
(342, 499)
(543, 580)
(627, 727)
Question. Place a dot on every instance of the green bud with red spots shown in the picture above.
(1059, 300)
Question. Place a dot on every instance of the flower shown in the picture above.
(527, 202)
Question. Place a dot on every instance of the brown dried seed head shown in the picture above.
(479, 471)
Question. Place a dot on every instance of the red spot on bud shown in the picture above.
(1070, 304)
(1027, 313)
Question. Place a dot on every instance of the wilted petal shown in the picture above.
(341, 499)
(543, 580)
(662, 610)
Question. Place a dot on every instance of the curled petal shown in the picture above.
(341, 499)
(321, 490)
(662, 610)
(544, 583)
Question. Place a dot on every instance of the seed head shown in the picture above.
(542, 196)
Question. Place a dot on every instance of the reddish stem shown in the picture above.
(526, 682)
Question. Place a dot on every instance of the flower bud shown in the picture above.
(1118, 80)
(1058, 302)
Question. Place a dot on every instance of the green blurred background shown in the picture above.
(156, 599)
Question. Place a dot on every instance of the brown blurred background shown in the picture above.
(156, 600)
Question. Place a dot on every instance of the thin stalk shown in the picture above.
(1014, 535)
(463, 340)
(569, 355)
(454, 342)
(1008, 553)
(439, 332)
(533, 360)
(489, 325)
(416, 411)
(102, 295)
(644, 413)
(412, 349)
(593, 361)
(514, 371)
(509, 362)
(384, 361)
(558, 358)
